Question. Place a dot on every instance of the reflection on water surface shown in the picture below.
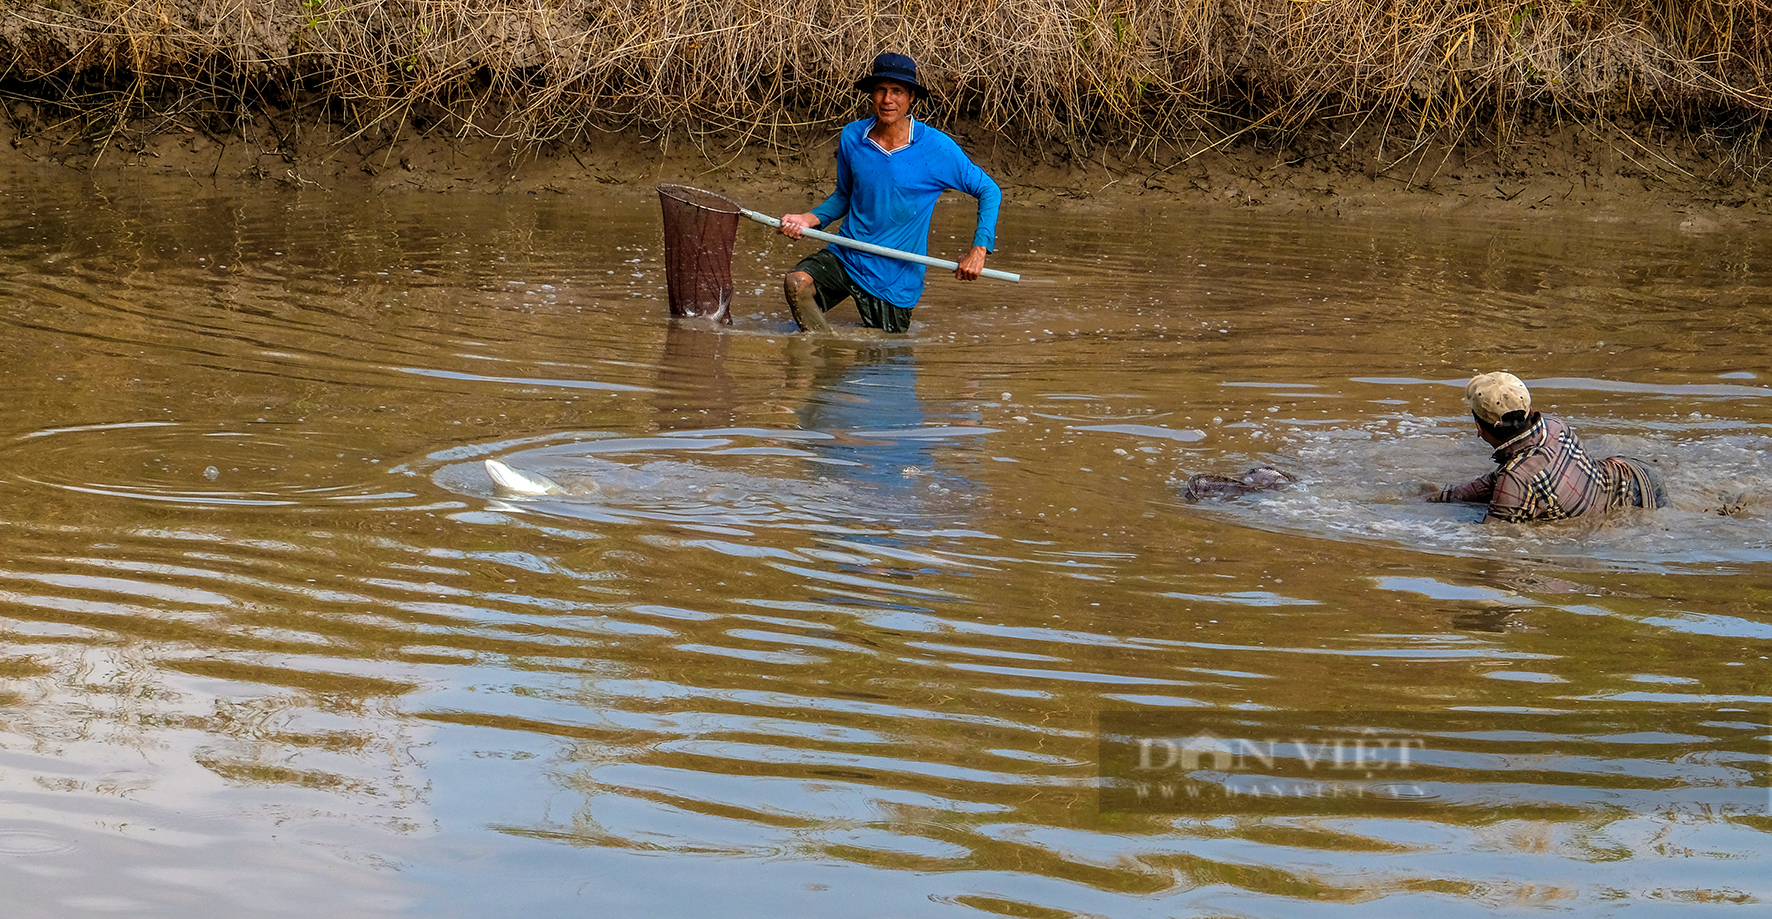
(839, 626)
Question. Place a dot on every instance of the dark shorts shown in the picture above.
(1637, 484)
(834, 286)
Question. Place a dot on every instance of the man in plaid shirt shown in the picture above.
(1542, 471)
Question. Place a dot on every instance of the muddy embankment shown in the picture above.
(1622, 108)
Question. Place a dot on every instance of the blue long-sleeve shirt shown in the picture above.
(888, 199)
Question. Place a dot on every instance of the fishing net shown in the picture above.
(700, 228)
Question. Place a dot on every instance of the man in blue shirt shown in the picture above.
(891, 168)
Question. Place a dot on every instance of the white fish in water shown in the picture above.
(523, 483)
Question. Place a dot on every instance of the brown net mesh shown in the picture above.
(699, 230)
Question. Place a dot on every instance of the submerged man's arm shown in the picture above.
(1476, 491)
(1506, 494)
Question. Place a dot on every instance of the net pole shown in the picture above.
(886, 251)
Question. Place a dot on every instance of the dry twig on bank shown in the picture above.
(1067, 75)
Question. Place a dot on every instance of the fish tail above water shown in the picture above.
(523, 483)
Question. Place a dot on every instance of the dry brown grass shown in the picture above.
(1058, 74)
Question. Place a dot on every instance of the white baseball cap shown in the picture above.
(1494, 396)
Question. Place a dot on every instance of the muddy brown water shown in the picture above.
(865, 626)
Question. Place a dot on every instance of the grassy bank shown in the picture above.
(1070, 76)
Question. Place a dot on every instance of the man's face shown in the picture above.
(1493, 440)
(892, 101)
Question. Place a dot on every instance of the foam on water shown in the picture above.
(1365, 484)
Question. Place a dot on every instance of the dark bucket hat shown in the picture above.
(895, 67)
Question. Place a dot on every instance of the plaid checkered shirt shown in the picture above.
(1545, 474)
